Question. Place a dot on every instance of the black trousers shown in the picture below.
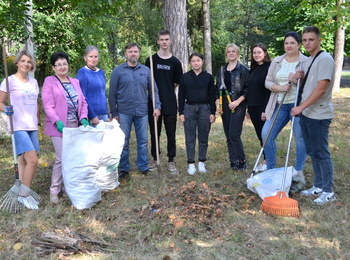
(255, 115)
(170, 130)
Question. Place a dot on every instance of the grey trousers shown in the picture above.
(197, 119)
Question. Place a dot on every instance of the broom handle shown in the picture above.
(154, 106)
(269, 132)
(291, 134)
(9, 103)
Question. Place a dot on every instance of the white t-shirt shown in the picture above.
(24, 98)
(282, 78)
(322, 68)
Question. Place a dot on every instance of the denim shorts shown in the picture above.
(26, 141)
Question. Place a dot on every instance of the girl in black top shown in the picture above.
(233, 78)
(197, 110)
(258, 95)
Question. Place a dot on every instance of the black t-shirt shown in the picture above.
(258, 95)
(166, 73)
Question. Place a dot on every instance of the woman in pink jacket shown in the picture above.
(65, 106)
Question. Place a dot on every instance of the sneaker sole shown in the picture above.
(325, 202)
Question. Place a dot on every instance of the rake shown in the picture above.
(281, 204)
(19, 194)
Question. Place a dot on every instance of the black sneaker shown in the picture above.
(242, 165)
(123, 174)
(145, 172)
(234, 166)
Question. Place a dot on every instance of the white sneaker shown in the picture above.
(201, 167)
(324, 198)
(191, 169)
(312, 191)
(261, 167)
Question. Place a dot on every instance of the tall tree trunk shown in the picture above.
(339, 51)
(175, 20)
(207, 35)
(29, 43)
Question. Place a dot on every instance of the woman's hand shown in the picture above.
(95, 120)
(212, 118)
(263, 116)
(285, 87)
(234, 104)
(182, 118)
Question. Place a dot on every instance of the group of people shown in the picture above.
(267, 94)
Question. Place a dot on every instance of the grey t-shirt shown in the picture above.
(321, 69)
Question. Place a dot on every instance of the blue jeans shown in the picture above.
(197, 119)
(141, 130)
(270, 148)
(315, 134)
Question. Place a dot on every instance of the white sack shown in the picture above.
(112, 147)
(269, 182)
(90, 157)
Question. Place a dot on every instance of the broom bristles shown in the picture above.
(280, 205)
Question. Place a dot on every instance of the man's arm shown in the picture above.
(315, 95)
(112, 97)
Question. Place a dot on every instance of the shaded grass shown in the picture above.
(125, 217)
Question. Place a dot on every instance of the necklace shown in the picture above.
(93, 69)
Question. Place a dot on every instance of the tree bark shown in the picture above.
(339, 51)
(175, 21)
(207, 35)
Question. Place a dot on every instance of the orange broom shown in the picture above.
(281, 204)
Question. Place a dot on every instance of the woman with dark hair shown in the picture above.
(279, 80)
(65, 106)
(232, 79)
(93, 84)
(258, 95)
(24, 109)
(196, 110)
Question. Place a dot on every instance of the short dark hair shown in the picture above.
(163, 32)
(253, 63)
(132, 44)
(293, 34)
(196, 53)
(313, 29)
(58, 55)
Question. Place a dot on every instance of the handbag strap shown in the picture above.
(70, 97)
(301, 89)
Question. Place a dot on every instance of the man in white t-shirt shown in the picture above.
(316, 111)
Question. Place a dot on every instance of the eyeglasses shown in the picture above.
(61, 65)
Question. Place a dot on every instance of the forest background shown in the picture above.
(206, 26)
(211, 216)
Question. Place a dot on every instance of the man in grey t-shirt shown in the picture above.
(316, 111)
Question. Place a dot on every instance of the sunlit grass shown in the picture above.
(124, 218)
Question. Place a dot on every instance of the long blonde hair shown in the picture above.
(235, 47)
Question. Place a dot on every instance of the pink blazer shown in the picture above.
(55, 104)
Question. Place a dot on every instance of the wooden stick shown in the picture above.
(154, 107)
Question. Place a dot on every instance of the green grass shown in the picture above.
(345, 74)
(206, 216)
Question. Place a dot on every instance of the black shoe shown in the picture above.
(123, 174)
(242, 165)
(234, 166)
(145, 172)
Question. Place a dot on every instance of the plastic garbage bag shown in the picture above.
(90, 157)
(269, 182)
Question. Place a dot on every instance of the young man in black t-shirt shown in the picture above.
(167, 72)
